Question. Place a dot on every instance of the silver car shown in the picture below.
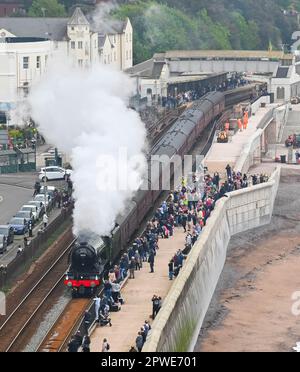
(3, 244)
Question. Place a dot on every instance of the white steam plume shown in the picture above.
(102, 19)
(85, 113)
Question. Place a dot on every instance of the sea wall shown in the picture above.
(178, 323)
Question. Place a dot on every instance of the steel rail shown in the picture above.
(29, 295)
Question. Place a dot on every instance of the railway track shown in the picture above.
(66, 325)
(25, 318)
(232, 97)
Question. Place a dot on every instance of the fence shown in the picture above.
(7, 273)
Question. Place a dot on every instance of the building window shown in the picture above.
(115, 55)
(108, 59)
(80, 62)
(73, 45)
(127, 38)
(46, 60)
(38, 62)
(130, 37)
(25, 63)
(127, 54)
(115, 39)
(80, 45)
(72, 28)
(280, 93)
(26, 89)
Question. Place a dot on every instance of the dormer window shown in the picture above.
(72, 28)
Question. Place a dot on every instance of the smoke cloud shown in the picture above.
(102, 19)
(85, 113)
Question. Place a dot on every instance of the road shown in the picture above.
(11, 200)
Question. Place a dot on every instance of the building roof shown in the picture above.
(52, 28)
(78, 18)
(111, 28)
(230, 54)
(282, 72)
(149, 69)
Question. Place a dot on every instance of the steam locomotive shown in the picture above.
(89, 257)
(87, 263)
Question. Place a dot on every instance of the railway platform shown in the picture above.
(222, 154)
(137, 294)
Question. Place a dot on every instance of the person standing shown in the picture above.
(25, 242)
(131, 268)
(229, 172)
(139, 342)
(45, 220)
(245, 121)
(86, 344)
(97, 301)
(87, 321)
(240, 125)
(184, 219)
(73, 346)
(171, 269)
(105, 346)
(151, 261)
(155, 306)
(30, 229)
(58, 199)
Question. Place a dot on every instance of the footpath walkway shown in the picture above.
(137, 294)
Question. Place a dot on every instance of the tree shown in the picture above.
(46, 8)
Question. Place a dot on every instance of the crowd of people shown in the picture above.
(188, 207)
(175, 100)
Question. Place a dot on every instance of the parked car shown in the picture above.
(41, 198)
(19, 225)
(31, 208)
(3, 244)
(54, 173)
(39, 205)
(8, 232)
(50, 190)
(27, 215)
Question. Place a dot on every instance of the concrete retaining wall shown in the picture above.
(178, 324)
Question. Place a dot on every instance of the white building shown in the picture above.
(285, 83)
(22, 62)
(26, 43)
(116, 48)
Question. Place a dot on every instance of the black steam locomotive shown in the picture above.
(87, 260)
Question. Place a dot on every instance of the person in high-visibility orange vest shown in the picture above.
(240, 125)
(245, 121)
(227, 127)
